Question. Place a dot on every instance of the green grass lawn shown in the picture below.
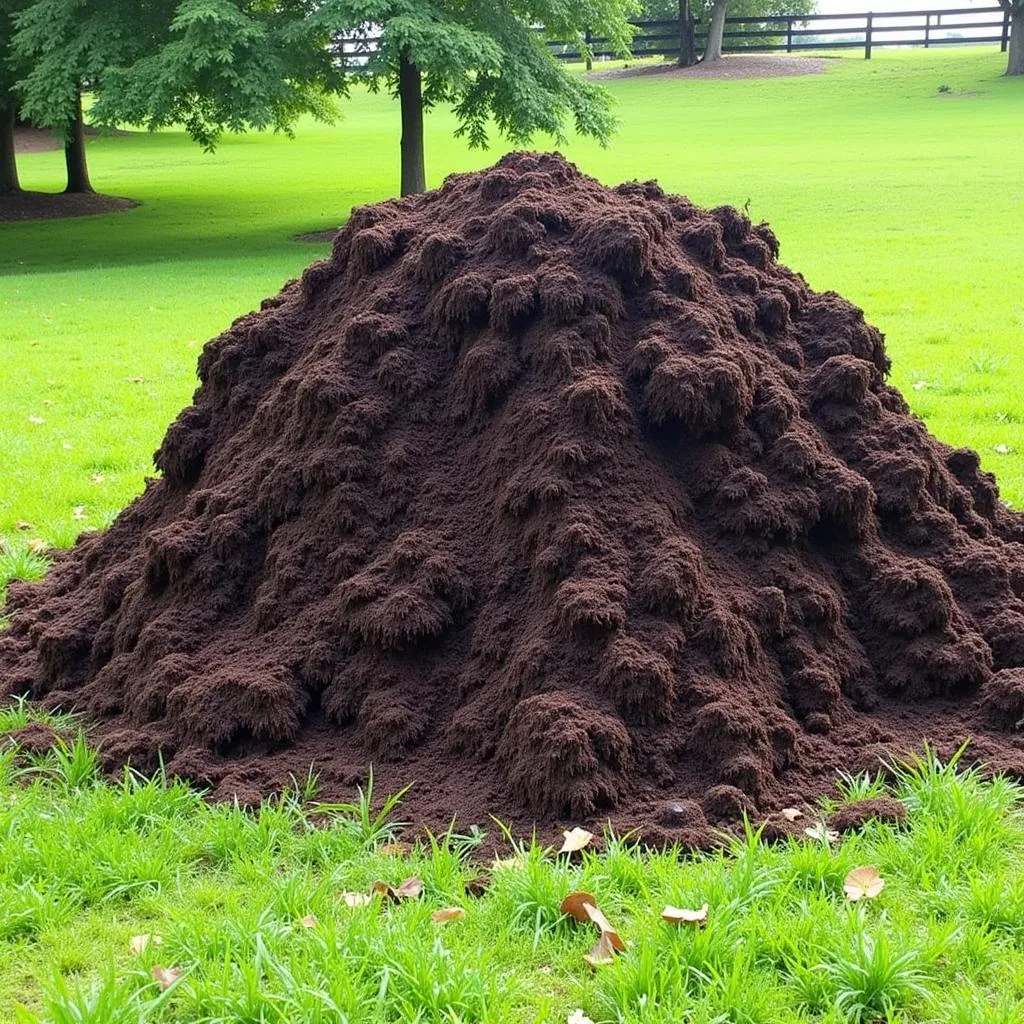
(250, 909)
(907, 201)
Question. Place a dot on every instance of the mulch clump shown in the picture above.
(856, 815)
(556, 501)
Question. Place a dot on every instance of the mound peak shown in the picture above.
(558, 499)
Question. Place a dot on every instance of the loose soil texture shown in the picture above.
(556, 501)
(732, 67)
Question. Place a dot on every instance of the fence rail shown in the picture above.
(785, 33)
(791, 32)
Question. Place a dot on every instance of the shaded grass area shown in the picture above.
(906, 200)
(246, 906)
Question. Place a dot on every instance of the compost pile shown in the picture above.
(557, 501)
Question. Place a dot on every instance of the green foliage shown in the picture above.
(226, 65)
(65, 45)
(665, 10)
(235, 65)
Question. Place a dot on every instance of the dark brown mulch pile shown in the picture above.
(554, 500)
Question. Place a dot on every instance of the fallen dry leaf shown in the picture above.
(578, 1017)
(97, 478)
(681, 915)
(863, 884)
(22, 525)
(791, 813)
(165, 977)
(604, 926)
(448, 914)
(575, 905)
(78, 512)
(575, 839)
(138, 943)
(37, 546)
(410, 889)
(36, 421)
(478, 885)
(309, 921)
(395, 850)
(603, 953)
(822, 834)
(355, 899)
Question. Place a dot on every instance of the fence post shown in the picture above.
(927, 30)
(588, 38)
(1006, 31)
(789, 36)
(867, 38)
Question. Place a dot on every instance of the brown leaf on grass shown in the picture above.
(603, 953)
(138, 943)
(309, 921)
(575, 905)
(22, 525)
(791, 813)
(604, 926)
(410, 889)
(575, 839)
(478, 885)
(78, 512)
(36, 421)
(355, 899)
(36, 546)
(578, 1017)
(395, 850)
(681, 915)
(863, 884)
(98, 478)
(165, 977)
(448, 914)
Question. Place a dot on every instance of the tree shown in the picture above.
(687, 47)
(704, 11)
(9, 100)
(67, 47)
(489, 61)
(234, 65)
(1015, 8)
(716, 31)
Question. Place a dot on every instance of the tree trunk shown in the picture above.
(1015, 66)
(74, 152)
(410, 95)
(687, 49)
(8, 164)
(713, 50)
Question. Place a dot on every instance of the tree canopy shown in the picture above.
(219, 66)
(701, 9)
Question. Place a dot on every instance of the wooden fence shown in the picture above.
(785, 33)
(788, 33)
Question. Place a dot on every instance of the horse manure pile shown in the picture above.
(557, 501)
